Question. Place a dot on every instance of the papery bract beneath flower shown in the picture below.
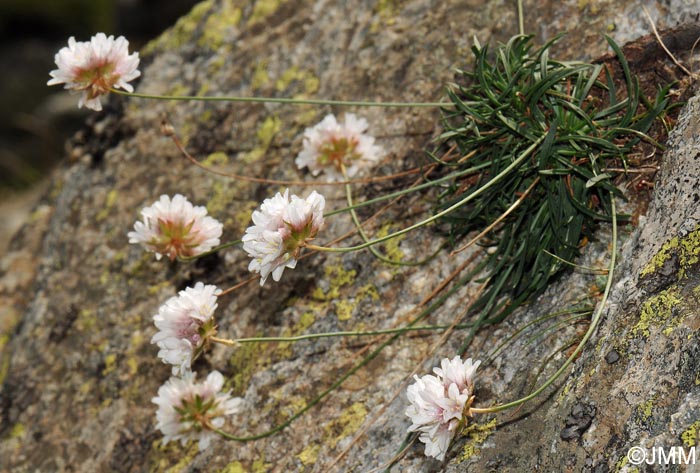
(281, 229)
(330, 146)
(176, 228)
(437, 403)
(185, 322)
(191, 411)
(94, 67)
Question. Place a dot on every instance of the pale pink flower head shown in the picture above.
(94, 67)
(437, 404)
(331, 146)
(282, 227)
(459, 372)
(176, 228)
(185, 323)
(192, 411)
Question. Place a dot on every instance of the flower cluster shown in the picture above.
(438, 403)
(176, 228)
(185, 324)
(282, 227)
(193, 411)
(332, 147)
(94, 67)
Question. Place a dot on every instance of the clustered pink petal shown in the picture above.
(281, 229)
(437, 403)
(176, 228)
(330, 146)
(184, 324)
(191, 411)
(94, 67)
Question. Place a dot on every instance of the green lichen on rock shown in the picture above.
(217, 25)
(657, 311)
(691, 435)
(263, 9)
(349, 421)
(476, 435)
(337, 277)
(687, 249)
(182, 32)
(309, 82)
(161, 456)
(265, 134)
(309, 455)
(645, 410)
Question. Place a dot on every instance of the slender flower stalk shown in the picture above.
(284, 100)
(592, 327)
(94, 68)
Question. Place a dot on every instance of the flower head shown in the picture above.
(438, 403)
(331, 146)
(176, 228)
(184, 325)
(94, 67)
(282, 227)
(192, 411)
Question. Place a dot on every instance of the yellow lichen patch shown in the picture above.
(266, 132)
(111, 199)
(338, 277)
(182, 32)
(645, 409)
(386, 11)
(691, 435)
(234, 467)
(259, 466)
(110, 364)
(309, 455)
(307, 319)
(307, 79)
(216, 159)
(476, 435)
(86, 320)
(345, 308)
(349, 421)
(260, 75)
(263, 9)
(246, 359)
(17, 431)
(161, 455)
(687, 249)
(217, 25)
(657, 311)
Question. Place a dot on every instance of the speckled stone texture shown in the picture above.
(78, 370)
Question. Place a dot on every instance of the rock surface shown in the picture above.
(78, 371)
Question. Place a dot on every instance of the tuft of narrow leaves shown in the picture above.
(579, 123)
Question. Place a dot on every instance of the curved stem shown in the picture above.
(584, 340)
(424, 313)
(312, 336)
(382, 198)
(365, 238)
(344, 103)
(438, 215)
